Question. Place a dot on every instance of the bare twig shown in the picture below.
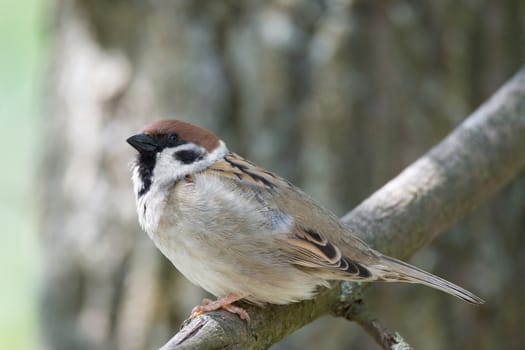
(352, 307)
(473, 162)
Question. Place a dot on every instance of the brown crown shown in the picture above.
(186, 131)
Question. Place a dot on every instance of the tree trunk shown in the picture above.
(336, 96)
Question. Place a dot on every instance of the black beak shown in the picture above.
(143, 143)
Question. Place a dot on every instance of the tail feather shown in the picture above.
(393, 270)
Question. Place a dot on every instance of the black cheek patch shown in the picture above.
(187, 156)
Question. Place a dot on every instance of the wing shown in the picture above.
(315, 238)
(239, 169)
(309, 249)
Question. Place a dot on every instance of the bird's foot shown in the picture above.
(222, 303)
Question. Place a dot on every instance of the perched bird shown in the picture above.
(242, 232)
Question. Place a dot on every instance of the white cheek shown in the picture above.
(168, 170)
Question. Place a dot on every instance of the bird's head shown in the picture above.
(169, 150)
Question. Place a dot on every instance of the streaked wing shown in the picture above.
(238, 168)
(312, 241)
(310, 249)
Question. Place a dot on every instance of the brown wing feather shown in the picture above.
(313, 242)
(318, 240)
(238, 168)
(311, 250)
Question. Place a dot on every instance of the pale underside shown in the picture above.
(256, 248)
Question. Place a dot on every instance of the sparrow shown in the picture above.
(242, 232)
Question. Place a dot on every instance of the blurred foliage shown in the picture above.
(21, 67)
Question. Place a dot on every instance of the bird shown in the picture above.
(244, 233)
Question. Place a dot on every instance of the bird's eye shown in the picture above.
(173, 137)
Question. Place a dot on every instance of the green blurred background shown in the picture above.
(22, 40)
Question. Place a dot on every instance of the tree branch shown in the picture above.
(351, 307)
(478, 158)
